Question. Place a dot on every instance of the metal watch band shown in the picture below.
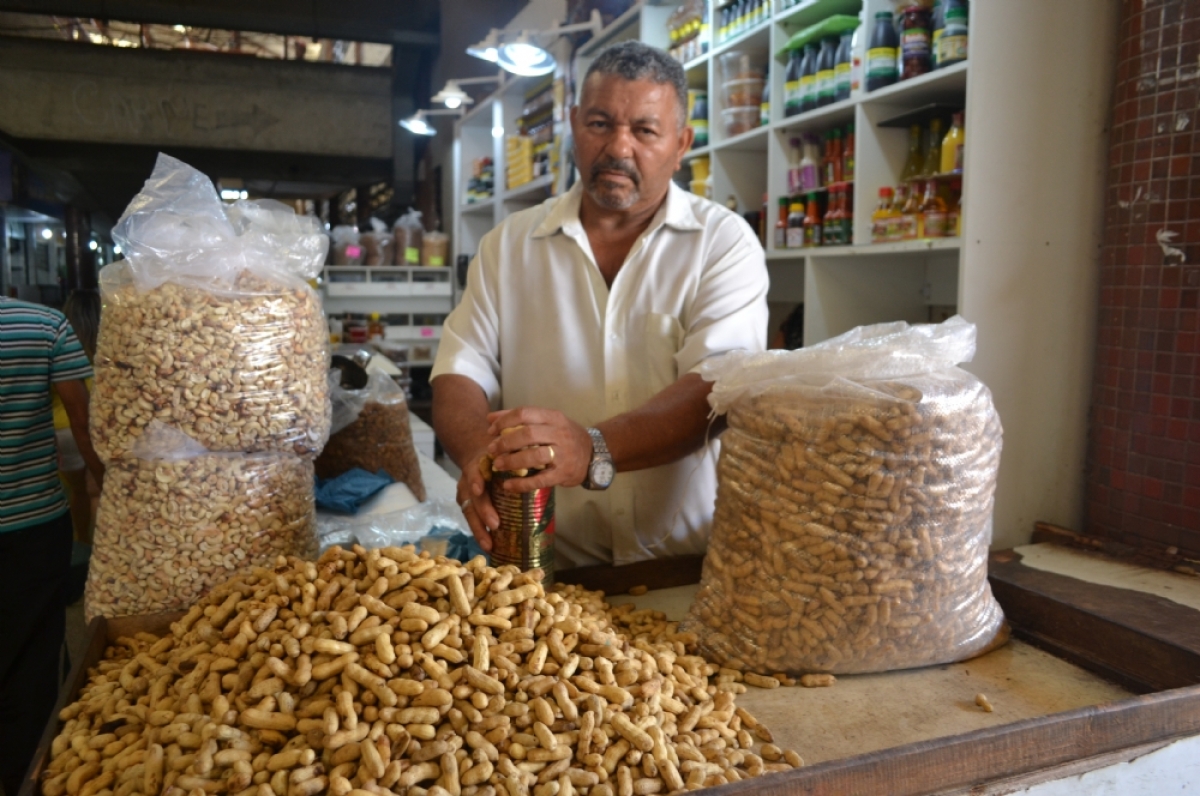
(599, 454)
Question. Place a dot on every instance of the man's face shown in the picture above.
(629, 140)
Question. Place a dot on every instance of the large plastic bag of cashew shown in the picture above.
(175, 520)
(208, 325)
(854, 505)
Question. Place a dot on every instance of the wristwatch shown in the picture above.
(601, 471)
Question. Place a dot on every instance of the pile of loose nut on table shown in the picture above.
(388, 672)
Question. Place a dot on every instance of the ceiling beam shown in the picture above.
(408, 22)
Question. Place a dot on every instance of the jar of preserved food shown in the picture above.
(915, 42)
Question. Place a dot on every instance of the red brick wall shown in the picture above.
(1144, 447)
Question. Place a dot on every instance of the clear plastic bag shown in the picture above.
(208, 324)
(854, 506)
(393, 528)
(371, 430)
(409, 233)
(378, 245)
(175, 521)
(347, 246)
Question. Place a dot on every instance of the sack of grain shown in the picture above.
(175, 520)
(371, 430)
(854, 506)
(208, 324)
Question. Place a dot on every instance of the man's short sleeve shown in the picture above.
(67, 358)
(470, 344)
(729, 311)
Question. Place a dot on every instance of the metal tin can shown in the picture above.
(525, 537)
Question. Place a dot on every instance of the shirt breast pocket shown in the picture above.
(662, 340)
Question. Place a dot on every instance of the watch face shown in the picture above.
(602, 473)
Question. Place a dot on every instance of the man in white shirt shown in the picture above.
(584, 321)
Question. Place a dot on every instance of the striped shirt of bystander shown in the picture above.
(37, 349)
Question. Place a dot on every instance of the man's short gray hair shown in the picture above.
(633, 60)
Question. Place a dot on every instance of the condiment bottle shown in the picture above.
(795, 226)
(791, 85)
(933, 217)
(835, 157)
(915, 42)
(810, 170)
(764, 103)
(910, 213)
(848, 154)
(933, 150)
(375, 329)
(847, 214)
(812, 222)
(896, 230)
(808, 79)
(952, 146)
(881, 55)
(781, 225)
(826, 72)
(879, 219)
(952, 44)
(831, 230)
(841, 69)
(938, 23)
(915, 162)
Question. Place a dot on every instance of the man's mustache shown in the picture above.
(620, 167)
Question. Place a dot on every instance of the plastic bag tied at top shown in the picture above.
(208, 324)
(854, 504)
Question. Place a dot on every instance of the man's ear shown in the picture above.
(687, 136)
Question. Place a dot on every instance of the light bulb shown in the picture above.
(453, 102)
(47, 234)
(93, 245)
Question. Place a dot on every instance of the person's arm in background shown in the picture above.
(74, 396)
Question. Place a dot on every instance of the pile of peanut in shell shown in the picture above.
(388, 672)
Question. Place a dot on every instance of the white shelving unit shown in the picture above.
(481, 132)
(422, 295)
(1023, 271)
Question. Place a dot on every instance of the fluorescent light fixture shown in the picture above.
(488, 48)
(452, 95)
(524, 53)
(417, 124)
(526, 58)
(93, 245)
(233, 194)
(46, 233)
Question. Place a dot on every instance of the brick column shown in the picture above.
(1144, 447)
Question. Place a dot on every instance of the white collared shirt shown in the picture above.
(538, 326)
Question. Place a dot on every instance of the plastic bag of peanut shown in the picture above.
(169, 529)
(209, 326)
(854, 504)
(371, 430)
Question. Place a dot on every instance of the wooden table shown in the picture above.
(1095, 675)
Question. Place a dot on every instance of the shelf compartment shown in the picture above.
(533, 191)
(750, 141)
(478, 207)
(811, 12)
(906, 247)
(947, 85)
(838, 114)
